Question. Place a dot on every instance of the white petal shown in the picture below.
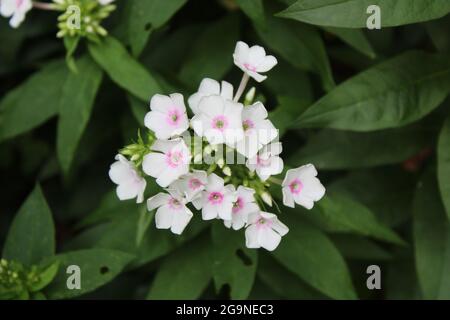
(180, 220)
(288, 199)
(252, 237)
(153, 164)
(169, 175)
(119, 172)
(215, 183)
(313, 188)
(256, 55)
(164, 217)
(178, 100)
(160, 103)
(269, 239)
(209, 87)
(255, 112)
(158, 200)
(156, 121)
(279, 227)
(227, 90)
(255, 75)
(212, 106)
(266, 64)
(209, 211)
(241, 52)
(7, 7)
(194, 101)
(16, 19)
(128, 190)
(303, 200)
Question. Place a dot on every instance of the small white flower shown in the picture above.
(302, 187)
(265, 231)
(243, 206)
(105, 2)
(168, 116)
(253, 60)
(267, 162)
(130, 183)
(16, 9)
(219, 120)
(209, 87)
(169, 163)
(217, 199)
(191, 185)
(172, 212)
(258, 130)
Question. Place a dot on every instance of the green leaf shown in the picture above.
(254, 9)
(309, 254)
(184, 274)
(46, 276)
(392, 94)
(97, 266)
(355, 38)
(431, 239)
(71, 44)
(124, 69)
(210, 55)
(282, 281)
(333, 149)
(298, 44)
(145, 218)
(287, 111)
(352, 13)
(144, 16)
(438, 31)
(359, 248)
(339, 213)
(233, 263)
(138, 108)
(33, 102)
(77, 100)
(444, 165)
(31, 236)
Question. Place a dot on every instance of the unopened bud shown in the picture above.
(267, 198)
(227, 171)
(249, 96)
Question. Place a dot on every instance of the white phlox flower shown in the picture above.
(253, 60)
(217, 199)
(267, 162)
(301, 186)
(244, 205)
(210, 87)
(167, 117)
(219, 120)
(169, 161)
(171, 212)
(129, 182)
(264, 230)
(191, 185)
(258, 130)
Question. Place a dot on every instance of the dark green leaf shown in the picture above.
(77, 100)
(254, 9)
(355, 38)
(432, 240)
(144, 16)
(444, 165)
(308, 253)
(210, 55)
(97, 266)
(124, 69)
(332, 149)
(31, 236)
(233, 263)
(352, 13)
(185, 273)
(391, 94)
(33, 102)
(46, 276)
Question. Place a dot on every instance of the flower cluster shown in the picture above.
(217, 157)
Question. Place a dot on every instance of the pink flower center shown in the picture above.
(194, 184)
(262, 162)
(248, 124)
(296, 186)
(220, 123)
(19, 3)
(250, 67)
(175, 204)
(173, 117)
(215, 198)
(263, 223)
(238, 205)
(174, 159)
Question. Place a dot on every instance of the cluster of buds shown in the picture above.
(220, 159)
(80, 18)
(16, 281)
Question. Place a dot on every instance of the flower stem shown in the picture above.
(44, 6)
(276, 181)
(241, 88)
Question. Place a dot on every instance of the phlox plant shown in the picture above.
(246, 155)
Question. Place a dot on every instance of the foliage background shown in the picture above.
(369, 108)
